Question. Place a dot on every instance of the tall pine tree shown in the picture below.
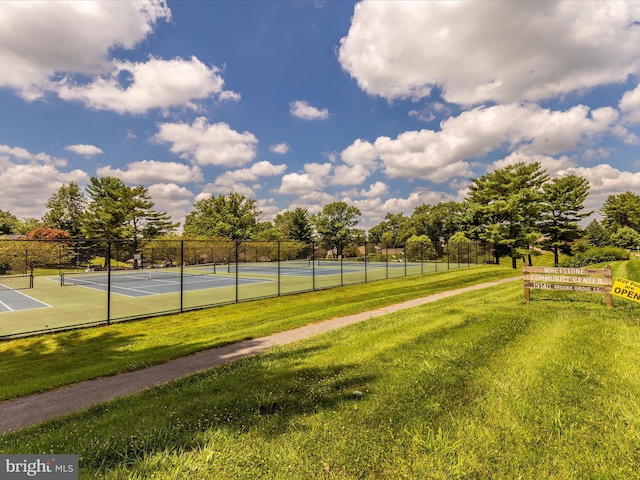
(507, 203)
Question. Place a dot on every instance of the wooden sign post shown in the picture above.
(568, 279)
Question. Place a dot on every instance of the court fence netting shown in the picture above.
(54, 285)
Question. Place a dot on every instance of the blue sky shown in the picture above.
(385, 105)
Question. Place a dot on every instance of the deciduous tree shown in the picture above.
(8, 222)
(231, 216)
(335, 225)
(65, 209)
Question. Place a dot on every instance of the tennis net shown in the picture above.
(16, 282)
(336, 262)
(125, 276)
(270, 267)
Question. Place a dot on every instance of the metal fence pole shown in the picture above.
(313, 265)
(237, 268)
(404, 249)
(387, 263)
(365, 262)
(108, 262)
(278, 267)
(181, 276)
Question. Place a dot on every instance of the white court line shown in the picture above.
(98, 286)
(6, 306)
(30, 298)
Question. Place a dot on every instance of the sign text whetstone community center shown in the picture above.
(568, 279)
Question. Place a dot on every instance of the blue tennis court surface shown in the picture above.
(142, 284)
(11, 300)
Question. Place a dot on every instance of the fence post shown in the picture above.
(448, 256)
(108, 262)
(181, 276)
(278, 267)
(237, 268)
(313, 265)
(366, 253)
(404, 258)
(387, 264)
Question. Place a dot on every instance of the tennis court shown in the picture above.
(11, 296)
(75, 290)
(150, 282)
(12, 300)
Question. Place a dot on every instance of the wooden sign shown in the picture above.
(568, 279)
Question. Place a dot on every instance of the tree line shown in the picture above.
(517, 208)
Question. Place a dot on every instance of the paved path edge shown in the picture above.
(30, 410)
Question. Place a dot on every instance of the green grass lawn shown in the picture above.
(49, 361)
(480, 385)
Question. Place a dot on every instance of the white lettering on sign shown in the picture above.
(565, 271)
(566, 279)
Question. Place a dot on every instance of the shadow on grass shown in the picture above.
(50, 362)
(268, 392)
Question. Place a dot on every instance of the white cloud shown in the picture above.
(269, 209)
(314, 201)
(236, 180)
(26, 187)
(42, 39)
(171, 198)
(360, 152)
(281, 148)
(630, 105)
(22, 154)
(86, 150)
(439, 156)
(153, 171)
(553, 166)
(347, 175)
(376, 190)
(206, 144)
(374, 209)
(155, 83)
(224, 188)
(266, 169)
(604, 180)
(500, 51)
(302, 109)
(314, 178)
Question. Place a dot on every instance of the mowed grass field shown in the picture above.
(479, 385)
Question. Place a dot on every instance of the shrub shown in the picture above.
(595, 255)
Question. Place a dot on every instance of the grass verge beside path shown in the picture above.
(480, 385)
(50, 361)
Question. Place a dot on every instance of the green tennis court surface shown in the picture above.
(143, 283)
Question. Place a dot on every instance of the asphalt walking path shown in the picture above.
(33, 409)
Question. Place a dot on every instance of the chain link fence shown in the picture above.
(52, 285)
